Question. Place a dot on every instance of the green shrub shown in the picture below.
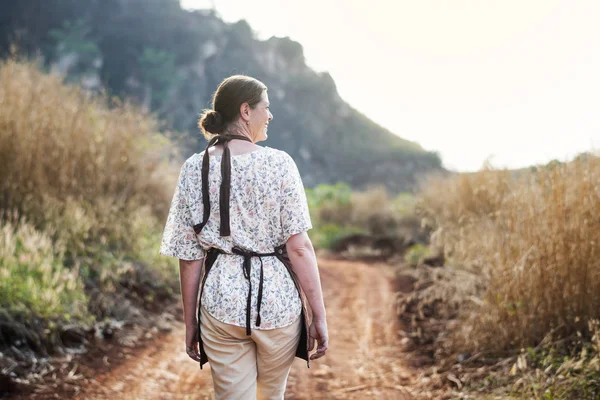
(337, 211)
(327, 235)
(416, 254)
(33, 279)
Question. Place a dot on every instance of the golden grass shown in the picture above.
(534, 240)
(58, 142)
(85, 185)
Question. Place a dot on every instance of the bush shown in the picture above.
(533, 240)
(85, 186)
(337, 211)
(56, 142)
(33, 279)
(416, 254)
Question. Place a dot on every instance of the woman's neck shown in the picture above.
(238, 128)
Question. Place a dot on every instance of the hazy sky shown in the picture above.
(518, 81)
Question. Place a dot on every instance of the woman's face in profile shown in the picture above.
(259, 118)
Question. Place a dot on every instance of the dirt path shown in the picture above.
(363, 361)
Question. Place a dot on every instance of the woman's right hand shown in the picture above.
(191, 342)
(318, 331)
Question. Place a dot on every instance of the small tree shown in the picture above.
(76, 54)
(159, 74)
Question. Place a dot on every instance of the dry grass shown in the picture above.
(548, 374)
(56, 141)
(338, 212)
(383, 215)
(81, 166)
(85, 185)
(534, 242)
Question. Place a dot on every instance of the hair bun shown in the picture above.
(212, 121)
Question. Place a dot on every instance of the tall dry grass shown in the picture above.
(58, 141)
(85, 185)
(62, 148)
(534, 240)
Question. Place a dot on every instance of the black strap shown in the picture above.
(224, 228)
(247, 268)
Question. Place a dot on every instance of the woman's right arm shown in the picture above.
(190, 273)
(295, 217)
(304, 261)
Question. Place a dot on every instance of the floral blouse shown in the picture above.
(267, 206)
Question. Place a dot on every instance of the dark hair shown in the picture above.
(230, 95)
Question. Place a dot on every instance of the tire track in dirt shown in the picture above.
(364, 358)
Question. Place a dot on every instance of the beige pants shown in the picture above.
(244, 366)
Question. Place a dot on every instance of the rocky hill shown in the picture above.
(170, 60)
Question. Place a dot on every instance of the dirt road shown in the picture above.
(363, 361)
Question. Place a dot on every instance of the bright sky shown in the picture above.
(514, 80)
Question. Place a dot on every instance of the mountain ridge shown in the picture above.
(171, 60)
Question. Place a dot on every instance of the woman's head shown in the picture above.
(240, 106)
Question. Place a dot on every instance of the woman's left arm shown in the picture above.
(190, 273)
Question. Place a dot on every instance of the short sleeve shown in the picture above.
(295, 216)
(179, 239)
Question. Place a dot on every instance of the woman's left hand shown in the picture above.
(191, 342)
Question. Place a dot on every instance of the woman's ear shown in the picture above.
(245, 111)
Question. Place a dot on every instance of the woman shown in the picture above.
(240, 211)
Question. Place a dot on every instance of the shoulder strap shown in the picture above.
(225, 189)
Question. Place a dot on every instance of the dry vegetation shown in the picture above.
(85, 185)
(506, 297)
(518, 302)
(370, 224)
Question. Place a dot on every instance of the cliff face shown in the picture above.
(171, 61)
